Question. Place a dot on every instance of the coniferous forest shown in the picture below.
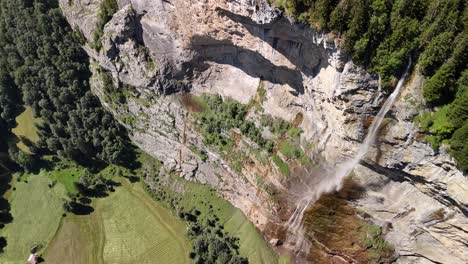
(43, 65)
(382, 34)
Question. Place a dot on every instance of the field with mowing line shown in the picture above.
(79, 240)
(26, 127)
(126, 227)
(37, 211)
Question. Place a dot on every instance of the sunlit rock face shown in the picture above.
(165, 48)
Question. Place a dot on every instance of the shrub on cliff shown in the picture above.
(438, 87)
(459, 146)
(106, 10)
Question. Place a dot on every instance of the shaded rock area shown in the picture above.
(156, 51)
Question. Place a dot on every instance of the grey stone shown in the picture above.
(226, 47)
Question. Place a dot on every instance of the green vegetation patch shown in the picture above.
(203, 156)
(252, 243)
(277, 126)
(222, 115)
(69, 174)
(449, 124)
(216, 122)
(38, 202)
(290, 150)
(256, 103)
(106, 10)
(283, 167)
(376, 244)
(37, 211)
(66, 173)
(295, 133)
(78, 240)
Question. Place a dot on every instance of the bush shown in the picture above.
(441, 126)
(220, 116)
(425, 121)
(282, 166)
(26, 161)
(436, 53)
(106, 10)
(459, 146)
(295, 133)
(203, 156)
(290, 151)
(276, 126)
(438, 88)
(210, 245)
(458, 110)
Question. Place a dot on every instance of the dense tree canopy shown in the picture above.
(41, 57)
(383, 34)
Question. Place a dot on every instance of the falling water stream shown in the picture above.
(334, 183)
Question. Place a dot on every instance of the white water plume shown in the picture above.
(334, 183)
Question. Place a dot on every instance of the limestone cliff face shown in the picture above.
(163, 48)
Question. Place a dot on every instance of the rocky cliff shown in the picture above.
(161, 50)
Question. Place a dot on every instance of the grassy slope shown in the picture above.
(79, 240)
(118, 230)
(26, 127)
(36, 212)
(126, 227)
(252, 244)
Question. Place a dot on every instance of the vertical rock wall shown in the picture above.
(163, 48)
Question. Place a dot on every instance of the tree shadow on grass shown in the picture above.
(82, 209)
(5, 215)
(133, 179)
(3, 244)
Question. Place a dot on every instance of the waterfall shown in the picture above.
(348, 166)
(334, 183)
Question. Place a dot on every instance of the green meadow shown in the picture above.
(125, 227)
(37, 212)
(26, 127)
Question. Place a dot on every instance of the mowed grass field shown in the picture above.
(126, 227)
(37, 211)
(26, 127)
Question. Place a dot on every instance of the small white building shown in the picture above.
(32, 259)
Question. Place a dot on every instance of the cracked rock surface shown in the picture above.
(163, 48)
